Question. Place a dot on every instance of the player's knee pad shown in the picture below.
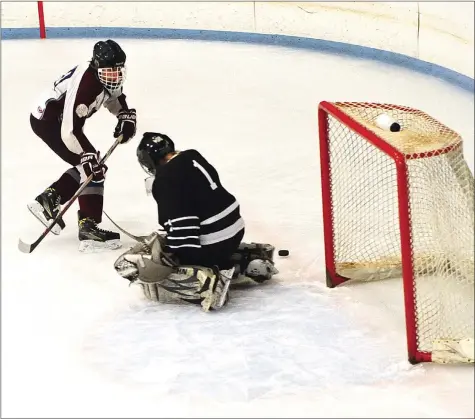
(255, 260)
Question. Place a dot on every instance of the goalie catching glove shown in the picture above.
(126, 125)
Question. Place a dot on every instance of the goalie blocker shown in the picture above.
(161, 280)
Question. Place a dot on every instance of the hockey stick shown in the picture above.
(140, 239)
(28, 248)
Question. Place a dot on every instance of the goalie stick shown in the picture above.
(140, 239)
(28, 248)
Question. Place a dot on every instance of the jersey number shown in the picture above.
(64, 77)
(205, 174)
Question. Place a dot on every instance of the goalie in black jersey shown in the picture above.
(201, 251)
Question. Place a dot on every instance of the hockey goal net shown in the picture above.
(401, 205)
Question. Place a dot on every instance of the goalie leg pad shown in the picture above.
(189, 284)
(257, 250)
(255, 261)
(162, 280)
(196, 285)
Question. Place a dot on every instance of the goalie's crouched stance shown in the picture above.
(162, 280)
(196, 259)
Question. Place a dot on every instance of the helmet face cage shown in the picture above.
(146, 162)
(112, 78)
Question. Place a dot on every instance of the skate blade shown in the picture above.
(93, 246)
(37, 210)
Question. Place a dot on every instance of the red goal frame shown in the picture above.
(333, 279)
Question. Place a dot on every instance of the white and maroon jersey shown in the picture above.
(74, 97)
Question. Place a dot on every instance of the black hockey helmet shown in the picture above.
(107, 54)
(108, 59)
(152, 148)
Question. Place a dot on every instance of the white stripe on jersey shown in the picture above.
(223, 234)
(176, 220)
(182, 237)
(69, 139)
(221, 215)
(184, 245)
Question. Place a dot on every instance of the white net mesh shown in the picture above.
(365, 213)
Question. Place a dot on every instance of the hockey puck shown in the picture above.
(283, 252)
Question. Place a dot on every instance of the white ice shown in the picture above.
(77, 341)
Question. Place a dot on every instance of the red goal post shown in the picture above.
(401, 205)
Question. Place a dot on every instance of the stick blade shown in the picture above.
(24, 247)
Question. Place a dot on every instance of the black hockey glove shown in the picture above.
(126, 125)
(91, 165)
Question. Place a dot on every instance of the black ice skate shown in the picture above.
(92, 238)
(46, 207)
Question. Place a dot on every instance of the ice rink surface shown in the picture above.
(77, 341)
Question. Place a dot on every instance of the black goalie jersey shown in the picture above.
(201, 218)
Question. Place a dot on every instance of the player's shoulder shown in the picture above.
(181, 161)
(89, 78)
(184, 157)
(183, 164)
(192, 155)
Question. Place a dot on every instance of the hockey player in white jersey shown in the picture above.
(201, 252)
(59, 118)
